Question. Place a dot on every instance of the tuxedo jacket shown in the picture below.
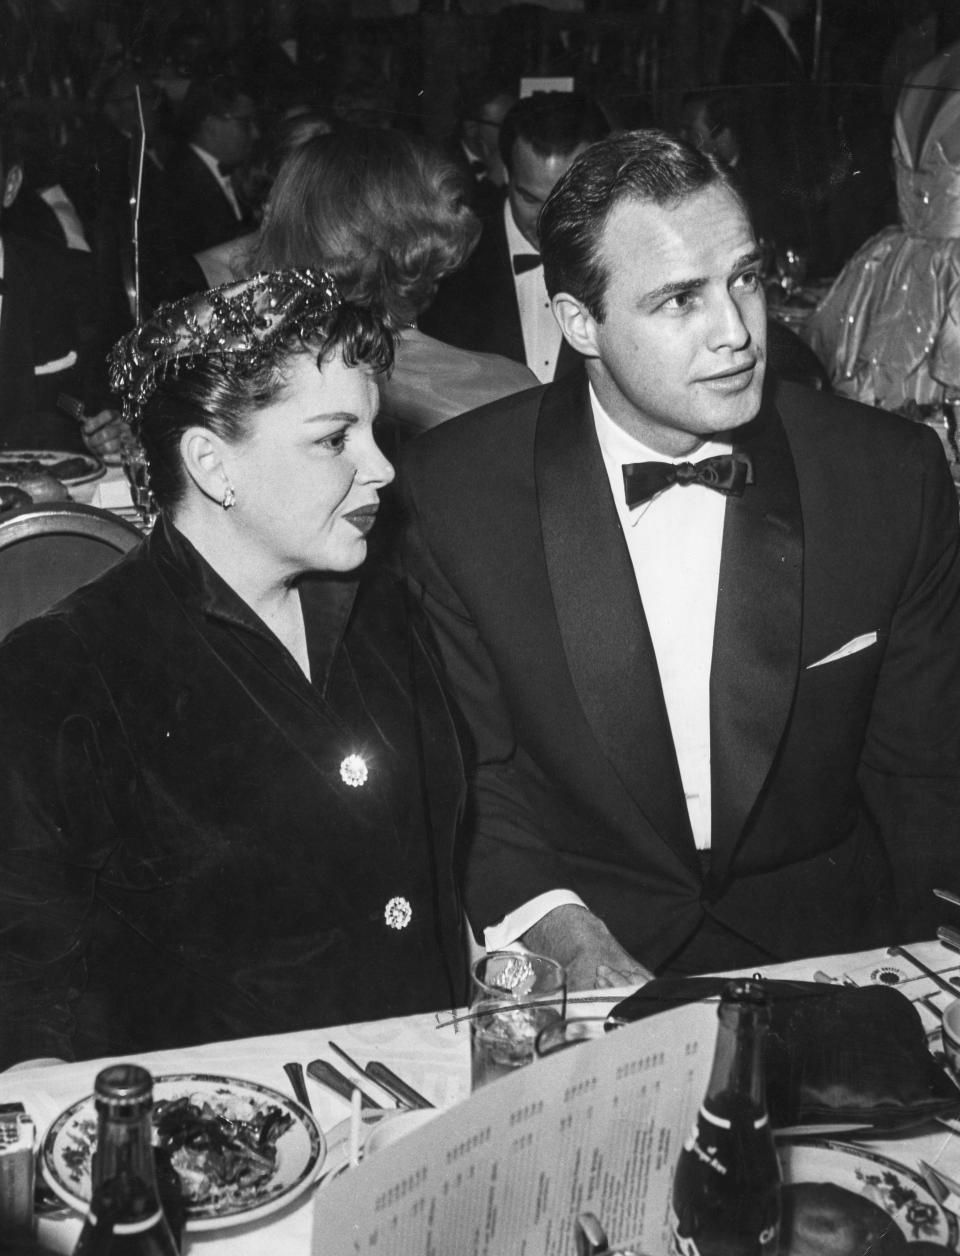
(39, 346)
(834, 692)
(201, 215)
(476, 307)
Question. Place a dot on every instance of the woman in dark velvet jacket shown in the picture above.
(229, 780)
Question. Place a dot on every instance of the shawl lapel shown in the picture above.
(756, 643)
(602, 625)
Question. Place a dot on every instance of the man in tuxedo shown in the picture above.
(41, 350)
(219, 120)
(199, 206)
(497, 303)
(703, 627)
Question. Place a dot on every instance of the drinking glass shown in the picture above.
(572, 1031)
(133, 459)
(514, 995)
(792, 267)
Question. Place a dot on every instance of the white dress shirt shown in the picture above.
(213, 166)
(674, 541)
(541, 331)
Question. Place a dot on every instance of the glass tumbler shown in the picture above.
(515, 995)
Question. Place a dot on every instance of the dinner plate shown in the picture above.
(899, 1191)
(69, 1143)
(84, 467)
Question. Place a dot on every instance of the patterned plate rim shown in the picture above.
(210, 1217)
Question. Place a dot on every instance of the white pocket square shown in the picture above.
(852, 646)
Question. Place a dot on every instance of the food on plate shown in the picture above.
(221, 1151)
(820, 1219)
(12, 498)
(14, 470)
(43, 487)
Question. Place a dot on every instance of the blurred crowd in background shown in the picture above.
(81, 81)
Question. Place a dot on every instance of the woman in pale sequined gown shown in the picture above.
(888, 331)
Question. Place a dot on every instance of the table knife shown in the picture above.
(395, 1086)
(400, 1089)
(328, 1076)
(949, 937)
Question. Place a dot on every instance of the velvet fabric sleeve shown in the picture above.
(198, 843)
(59, 827)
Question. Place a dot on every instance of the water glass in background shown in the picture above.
(514, 996)
(133, 459)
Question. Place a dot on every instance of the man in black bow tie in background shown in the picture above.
(497, 303)
(200, 206)
(704, 632)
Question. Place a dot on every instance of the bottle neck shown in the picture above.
(124, 1146)
(737, 1077)
(124, 1182)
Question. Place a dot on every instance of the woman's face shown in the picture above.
(308, 473)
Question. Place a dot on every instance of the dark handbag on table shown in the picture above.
(836, 1056)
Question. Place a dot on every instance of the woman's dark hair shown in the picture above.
(385, 214)
(645, 165)
(210, 391)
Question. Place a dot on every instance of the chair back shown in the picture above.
(47, 551)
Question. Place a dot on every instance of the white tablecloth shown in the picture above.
(433, 1055)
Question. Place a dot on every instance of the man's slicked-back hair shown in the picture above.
(647, 165)
(552, 123)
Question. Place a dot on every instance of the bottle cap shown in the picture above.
(123, 1084)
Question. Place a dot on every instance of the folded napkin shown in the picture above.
(112, 493)
(836, 1056)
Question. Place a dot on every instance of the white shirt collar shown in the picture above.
(213, 166)
(517, 242)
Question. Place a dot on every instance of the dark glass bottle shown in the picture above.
(126, 1217)
(726, 1189)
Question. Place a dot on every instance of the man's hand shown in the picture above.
(587, 949)
(103, 434)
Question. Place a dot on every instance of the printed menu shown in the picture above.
(597, 1127)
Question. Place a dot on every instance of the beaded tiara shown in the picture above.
(240, 323)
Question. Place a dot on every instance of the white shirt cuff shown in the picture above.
(516, 923)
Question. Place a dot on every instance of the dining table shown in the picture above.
(431, 1051)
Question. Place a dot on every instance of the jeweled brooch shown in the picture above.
(354, 771)
(397, 912)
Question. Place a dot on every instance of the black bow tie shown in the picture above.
(522, 262)
(727, 473)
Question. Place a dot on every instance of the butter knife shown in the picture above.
(949, 937)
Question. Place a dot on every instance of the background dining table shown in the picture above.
(432, 1053)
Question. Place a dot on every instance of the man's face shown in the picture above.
(680, 354)
(483, 132)
(531, 181)
(229, 136)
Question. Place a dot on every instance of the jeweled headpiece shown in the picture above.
(239, 323)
